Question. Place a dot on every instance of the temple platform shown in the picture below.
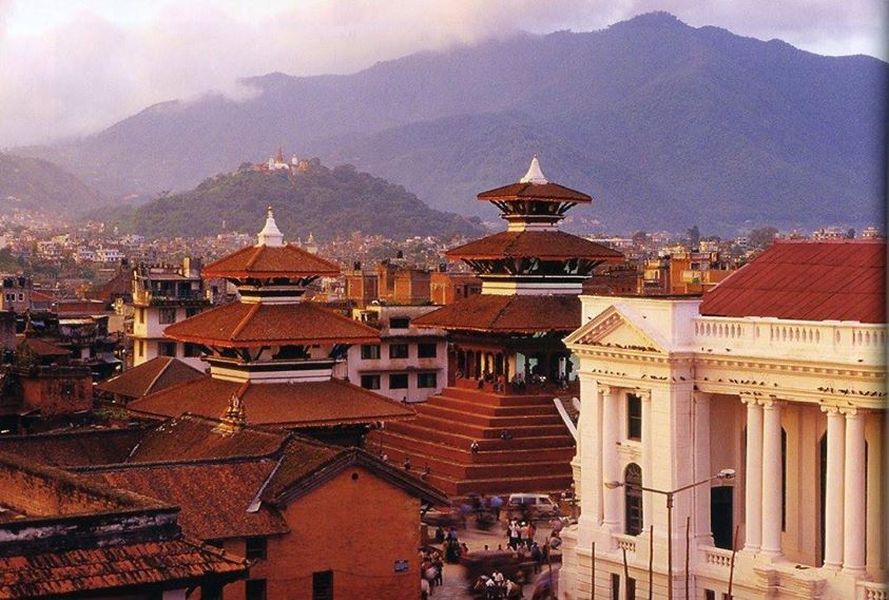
(522, 443)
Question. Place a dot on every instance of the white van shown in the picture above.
(531, 506)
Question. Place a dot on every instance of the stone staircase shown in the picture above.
(536, 458)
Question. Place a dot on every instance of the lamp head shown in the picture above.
(611, 485)
(726, 474)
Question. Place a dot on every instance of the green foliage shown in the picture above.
(318, 200)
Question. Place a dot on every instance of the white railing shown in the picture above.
(851, 342)
(625, 542)
(718, 557)
(870, 590)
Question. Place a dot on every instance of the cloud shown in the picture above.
(90, 67)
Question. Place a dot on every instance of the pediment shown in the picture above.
(619, 328)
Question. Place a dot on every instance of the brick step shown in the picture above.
(462, 436)
(478, 431)
(462, 454)
(473, 471)
(501, 486)
(497, 422)
(415, 431)
(482, 397)
(493, 410)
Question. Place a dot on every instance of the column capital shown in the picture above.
(749, 401)
(852, 411)
(830, 409)
(643, 394)
(772, 403)
(604, 389)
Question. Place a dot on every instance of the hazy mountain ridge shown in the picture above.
(666, 124)
(36, 184)
(325, 202)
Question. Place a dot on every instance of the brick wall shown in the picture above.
(57, 395)
(37, 495)
(356, 527)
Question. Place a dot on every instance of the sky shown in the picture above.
(73, 67)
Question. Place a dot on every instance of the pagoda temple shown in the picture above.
(272, 353)
(495, 428)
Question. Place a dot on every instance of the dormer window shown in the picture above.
(399, 323)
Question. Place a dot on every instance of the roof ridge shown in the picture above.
(245, 320)
(159, 373)
(257, 252)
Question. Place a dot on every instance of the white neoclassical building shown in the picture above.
(758, 410)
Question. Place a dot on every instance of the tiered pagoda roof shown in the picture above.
(272, 353)
(531, 273)
(242, 325)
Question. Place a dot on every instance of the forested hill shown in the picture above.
(35, 184)
(319, 200)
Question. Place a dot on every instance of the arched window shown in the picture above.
(633, 499)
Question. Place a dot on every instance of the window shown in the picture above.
(256, 547)
(256, 589)
(634, 417)
(426, 380)
(427, 350)
(370, 382)
(709, 595)
(166, 348)
(322, 585)
(397, 350)
(211, 591)
(141, 316)
(399, 323)
(615, 586)
(398, 381)
(631, 588)
(192, 311)
(166, 316)
(370, 351)
(633, 504)
(192, 350)
(141, 348)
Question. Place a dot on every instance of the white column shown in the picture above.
(753, 477)
(833, 502)
(647, 449)
(854, 531)
(702, 466)
(610, 464)
(771, 477)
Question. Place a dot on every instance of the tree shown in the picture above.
(762, 237)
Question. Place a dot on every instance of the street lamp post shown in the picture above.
(724, 474)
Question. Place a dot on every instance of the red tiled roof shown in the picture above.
(244, 325)
(75, 448)
(306, 404)
(151, 376)
(810, 281)
(516, 314)
(84, 570)
(191, 437)
(205, 513)
(548, 245)
(41, 347)
(270, 261)
(552, 192)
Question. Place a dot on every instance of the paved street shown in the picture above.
(455, 585)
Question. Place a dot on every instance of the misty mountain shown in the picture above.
(35, 184)
(315, 199)
(665, 124)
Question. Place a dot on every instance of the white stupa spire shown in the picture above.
(534, 174)
(270, 234)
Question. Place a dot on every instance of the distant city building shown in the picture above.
(15, 292)
(163, 295)
(407, 364)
